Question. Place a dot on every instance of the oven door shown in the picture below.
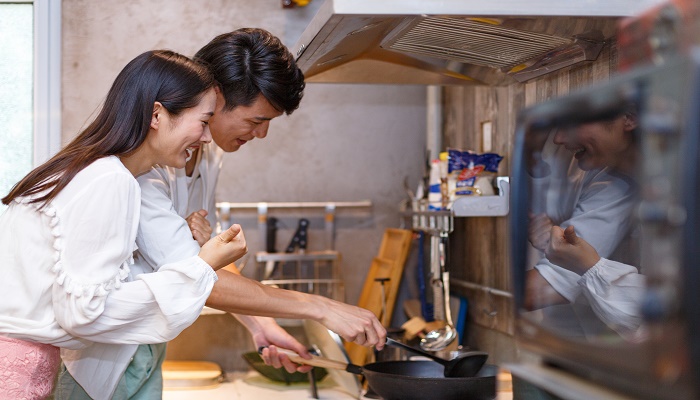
(604, 219)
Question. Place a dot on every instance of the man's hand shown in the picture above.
(200, 226)
(354, 324)
(268, 334)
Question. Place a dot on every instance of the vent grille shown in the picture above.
(473, 42)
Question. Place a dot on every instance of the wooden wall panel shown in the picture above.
(479, 252)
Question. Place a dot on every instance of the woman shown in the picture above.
(67, 237)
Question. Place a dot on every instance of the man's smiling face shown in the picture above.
(231, 129)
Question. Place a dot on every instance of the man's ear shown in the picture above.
(630, 122)
(157, 116)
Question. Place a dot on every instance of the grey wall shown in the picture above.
(345, 143)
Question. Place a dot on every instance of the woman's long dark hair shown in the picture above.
(122, 124)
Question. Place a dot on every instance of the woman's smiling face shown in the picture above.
(185, 132)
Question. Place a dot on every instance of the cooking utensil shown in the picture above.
(465, 365)
(318, 361)
(280, 374)
(270, 245)
(297, 244)
(402, 380)
(440, 338)
(420, 380)
(426, 308)
(330, 345)
(408, 380)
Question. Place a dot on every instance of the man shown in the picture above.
(259, 81)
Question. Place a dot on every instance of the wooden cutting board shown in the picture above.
(389, 265)
(188, 375)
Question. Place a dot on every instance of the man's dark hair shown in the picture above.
(251, 61)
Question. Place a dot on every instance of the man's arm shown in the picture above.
(163, 235)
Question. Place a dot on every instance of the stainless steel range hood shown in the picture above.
(455, 42)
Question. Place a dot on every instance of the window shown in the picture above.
(29, 87)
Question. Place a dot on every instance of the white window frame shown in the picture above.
(47, 79)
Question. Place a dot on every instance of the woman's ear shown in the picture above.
(157, 116)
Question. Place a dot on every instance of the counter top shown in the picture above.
(251, 385)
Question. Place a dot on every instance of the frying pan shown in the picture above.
(420, 380)
(465, 365)
(414, 380)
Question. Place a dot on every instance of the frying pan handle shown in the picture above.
(317, 361)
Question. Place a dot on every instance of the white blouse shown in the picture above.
(65, 276)
(599, 204)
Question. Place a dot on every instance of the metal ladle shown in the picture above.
(465, 365)
(439, 339)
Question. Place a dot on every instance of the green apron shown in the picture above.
(142, 380)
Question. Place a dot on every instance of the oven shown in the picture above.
(605, 220)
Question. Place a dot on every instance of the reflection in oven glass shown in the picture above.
(583, 279)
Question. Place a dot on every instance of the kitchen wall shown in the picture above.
(479, 246)
(345, 143)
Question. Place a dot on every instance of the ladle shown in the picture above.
(438, 339)
(465, 365)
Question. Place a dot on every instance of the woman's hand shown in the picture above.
(539, 231)
(225, 248)
(569, 251)
(200, 226)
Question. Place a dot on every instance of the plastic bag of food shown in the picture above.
(465, 168)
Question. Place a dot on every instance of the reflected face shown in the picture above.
(185, 133)
(599, 144)
(231, 129)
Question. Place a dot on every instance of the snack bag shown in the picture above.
(465, 167)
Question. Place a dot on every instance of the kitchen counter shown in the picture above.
(251, 385)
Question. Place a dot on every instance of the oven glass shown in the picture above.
(606, 202)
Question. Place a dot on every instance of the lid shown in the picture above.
(330, 345)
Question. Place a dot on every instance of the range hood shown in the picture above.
(455, 42)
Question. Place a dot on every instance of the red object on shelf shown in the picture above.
(663, 31)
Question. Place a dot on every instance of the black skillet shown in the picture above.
(413, 380)
(400, 380)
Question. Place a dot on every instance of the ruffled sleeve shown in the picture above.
(94, 230)
(97, 220)
(614, 290)
(601, 216)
